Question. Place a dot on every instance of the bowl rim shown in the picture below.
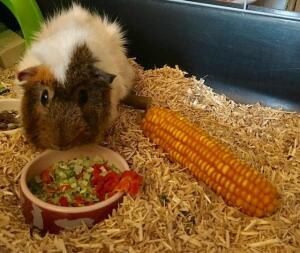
(67, 210)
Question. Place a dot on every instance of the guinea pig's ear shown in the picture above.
(103, 76)
(27, 74)
(35, 74)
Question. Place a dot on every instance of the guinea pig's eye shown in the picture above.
(83, 97)
(45, 97)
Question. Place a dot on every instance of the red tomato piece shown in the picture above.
(110, 185)
(112, 176)
(111, 180)
(134, 189)
(128, 173)
(79, 200)
(130, 182)
(96, 166)
(100, 193)
(123, 185)
(96, 171)
(63, 201)
(98, 180)
(46, 177)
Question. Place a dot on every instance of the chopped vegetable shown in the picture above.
(82, 182)
(130, 182)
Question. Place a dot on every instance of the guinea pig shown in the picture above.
(73, 77)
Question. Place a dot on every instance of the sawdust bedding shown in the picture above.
(174, 213)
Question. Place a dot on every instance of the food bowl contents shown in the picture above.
(82, 182)
(9, 120)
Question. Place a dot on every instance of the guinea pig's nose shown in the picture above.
(62, 138)
(67, 140)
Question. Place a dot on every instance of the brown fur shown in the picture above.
(63, 122)
(41, 74)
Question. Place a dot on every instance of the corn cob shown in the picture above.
(209, 161)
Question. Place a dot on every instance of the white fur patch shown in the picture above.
(56, 51)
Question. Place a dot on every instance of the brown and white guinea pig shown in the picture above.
(73, 76)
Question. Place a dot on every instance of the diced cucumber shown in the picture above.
(90, 169)
(72, 180)
(114, 168)
(62, 174)
(87, 176)
(63, 166)
(83, 191)
(73, 185)
(36, 187)
(38, 179)
(99, 159)
(83, 183)
(78, 169)
(69, 197)
(55, 199)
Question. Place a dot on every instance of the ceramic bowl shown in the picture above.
(52, 218)
(10, 104)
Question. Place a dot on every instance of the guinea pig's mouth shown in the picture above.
(80, 139)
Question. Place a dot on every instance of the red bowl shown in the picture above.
(52, 218)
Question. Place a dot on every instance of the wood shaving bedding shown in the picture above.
(175, 212)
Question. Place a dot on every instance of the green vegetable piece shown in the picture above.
(114, 168)
(78, 170)
(35, 187)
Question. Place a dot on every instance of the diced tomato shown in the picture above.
(130, 182)
(128, 173)
(79, 200)
(98, 180)
(122, 186)
(63, 201)
(46, 177)
(96, 166)
(134, 189)
(110, 185)
(131, 174)
(110, 176)
(111, 180)
(100, 193)
(96, 170)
